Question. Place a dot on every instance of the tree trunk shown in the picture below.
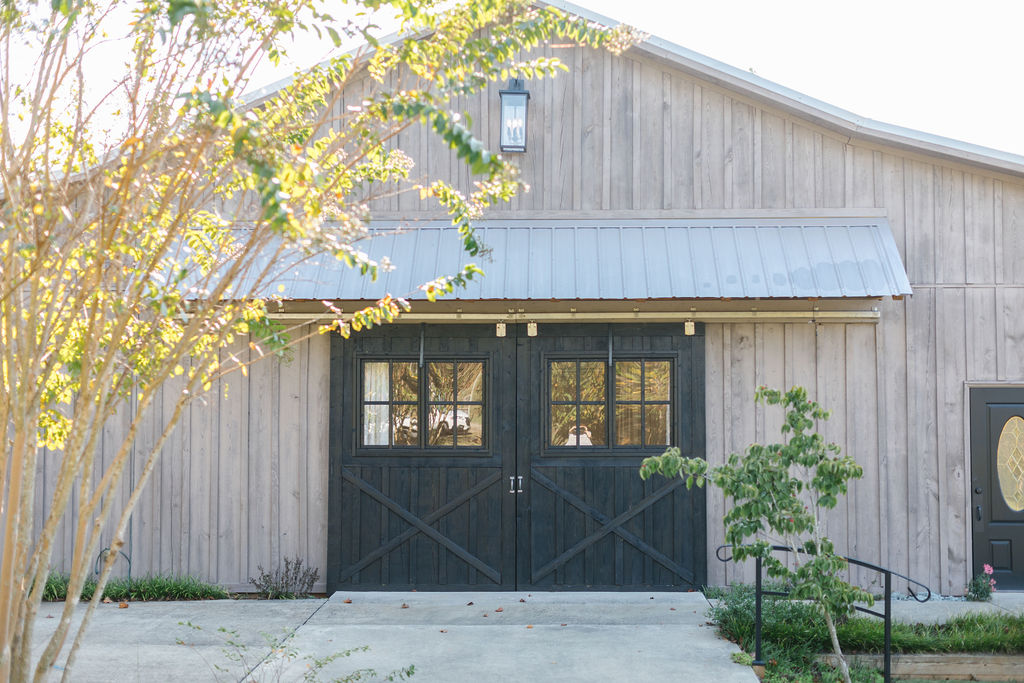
(843, 667)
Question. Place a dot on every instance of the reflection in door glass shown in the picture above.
(471, 382)
(441, 381)
(563, 381)
(1010, 463)
(405, 381)
(405, 425)
(592, 381)
(656, 380)
(375, 381)
(627, 380)
(375, 425)
(593, 425)
(441, 425)
(627, 425)
(656, 431)
(474, 433)
(563, 420)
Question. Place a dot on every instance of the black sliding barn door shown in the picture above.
(589, 520)
(419, 482)
(463, 460)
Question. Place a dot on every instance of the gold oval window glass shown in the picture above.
(1010, 463)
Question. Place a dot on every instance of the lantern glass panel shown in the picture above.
(513, 121)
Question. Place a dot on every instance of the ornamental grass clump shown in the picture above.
(778, 495)
(145, 589)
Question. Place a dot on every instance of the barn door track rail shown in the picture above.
(885, 615)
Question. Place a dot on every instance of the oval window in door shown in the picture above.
(1010, 463)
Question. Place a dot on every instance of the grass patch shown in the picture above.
(794, 633)
(144, 589)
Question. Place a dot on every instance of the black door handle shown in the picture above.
(977, 511)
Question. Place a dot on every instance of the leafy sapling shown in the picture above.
(779, 494)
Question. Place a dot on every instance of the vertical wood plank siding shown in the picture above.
(243, 480)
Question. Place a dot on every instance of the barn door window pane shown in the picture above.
(643, 403)
(578, 403)
(397, 397)
(390, 410)
(455, 405)
(375, 425)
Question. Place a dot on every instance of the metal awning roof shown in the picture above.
(778, 258)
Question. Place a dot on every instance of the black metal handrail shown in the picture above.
(886, 615)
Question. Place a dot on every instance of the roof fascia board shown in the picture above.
(504, 215)
(763, 316)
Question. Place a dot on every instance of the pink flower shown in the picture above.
(988, 569)
(992, 583)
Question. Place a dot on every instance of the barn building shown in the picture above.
(692, 232)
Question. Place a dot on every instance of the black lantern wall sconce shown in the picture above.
(514, 103)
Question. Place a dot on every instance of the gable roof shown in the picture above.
(750, 258)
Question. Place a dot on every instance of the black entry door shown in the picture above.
(464, 460)
(997, 483)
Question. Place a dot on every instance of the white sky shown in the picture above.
(942, 67)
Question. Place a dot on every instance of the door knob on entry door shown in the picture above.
(520, 478)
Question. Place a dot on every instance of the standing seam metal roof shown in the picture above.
(627, 259)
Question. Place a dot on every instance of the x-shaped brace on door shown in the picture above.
(421, 525)
(610, 525)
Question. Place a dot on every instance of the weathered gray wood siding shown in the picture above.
(241, 483)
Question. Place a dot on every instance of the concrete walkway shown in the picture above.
(941, 611)
(448, 637)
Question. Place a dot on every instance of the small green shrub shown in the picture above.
(292, 581)
(783, 491)
(144, 589)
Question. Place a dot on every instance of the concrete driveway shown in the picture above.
(446, 636)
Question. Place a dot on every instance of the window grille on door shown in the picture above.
(397, 399)
(639, 403)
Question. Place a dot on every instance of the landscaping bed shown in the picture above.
(146, 588)
(794, 637)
